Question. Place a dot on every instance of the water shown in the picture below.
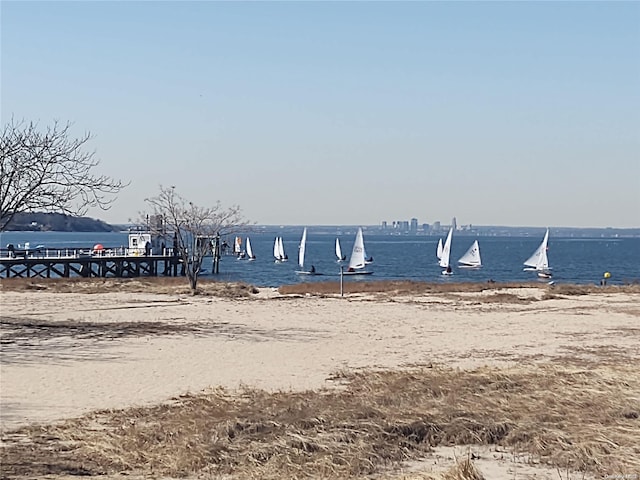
(573, 260)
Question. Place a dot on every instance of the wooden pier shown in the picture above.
(73, 263)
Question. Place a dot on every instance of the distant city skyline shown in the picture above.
(345, 113)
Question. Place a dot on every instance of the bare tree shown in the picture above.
(194, 227)
(47, 170)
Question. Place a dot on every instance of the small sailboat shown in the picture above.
(539, 262)
(278, 250)
(357, 260)
(471, 259)
(301, 253)
(250, 254)
(339, 255)
(237, 249)
(281, 249)
(446, 253)
(439, 250)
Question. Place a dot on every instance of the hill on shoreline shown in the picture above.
(57, 222)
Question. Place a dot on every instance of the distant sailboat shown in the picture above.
(539, 262)
(446, 253)
(237, 249)
(357, 260)
(471, 259)
(341, 258)
(439, 250)
(250, 254)
(278, 250)
(302, 248)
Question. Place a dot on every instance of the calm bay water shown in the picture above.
(573, 260)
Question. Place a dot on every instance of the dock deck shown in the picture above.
(65, 262)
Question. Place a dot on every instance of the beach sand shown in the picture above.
(64, 355)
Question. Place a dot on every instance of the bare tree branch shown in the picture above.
(193, 225)
(49, 171)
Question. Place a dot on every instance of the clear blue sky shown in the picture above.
(497, 113)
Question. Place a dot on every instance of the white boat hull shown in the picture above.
(300, 272)
(358, 273)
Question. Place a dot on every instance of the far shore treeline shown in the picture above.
(57, 222)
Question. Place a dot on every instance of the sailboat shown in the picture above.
(278, 250)
(357, 260)
(471, 258)
(250, 254)
(281, 249)
(237, 249)
(439, 250)
(539, 262)
(341, 258)
(446, 253)
(301, 253)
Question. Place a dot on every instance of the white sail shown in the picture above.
(276, 250)
(237, 246)
(539, 259)
(357, 254)
(338, 250)
(439, 251)
(302, 248)
(283, 256)
(446, 250)
(250, 250)
(472, 256)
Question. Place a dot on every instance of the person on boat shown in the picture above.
(312, 269)
(351, 269)
(448, 270)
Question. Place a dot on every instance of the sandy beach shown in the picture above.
(64, 355)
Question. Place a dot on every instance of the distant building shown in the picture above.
(436, 226)
(414, 225)
(454, 223)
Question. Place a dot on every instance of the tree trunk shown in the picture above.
(193, 282)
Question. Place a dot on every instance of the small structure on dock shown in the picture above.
(147, 243)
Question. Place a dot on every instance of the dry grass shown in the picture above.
(463, 470)
(159, 285)
(582, 417)
(420, 288)
(179, 285)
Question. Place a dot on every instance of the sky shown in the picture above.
(344, 113)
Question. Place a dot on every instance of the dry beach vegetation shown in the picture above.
(558, 398)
